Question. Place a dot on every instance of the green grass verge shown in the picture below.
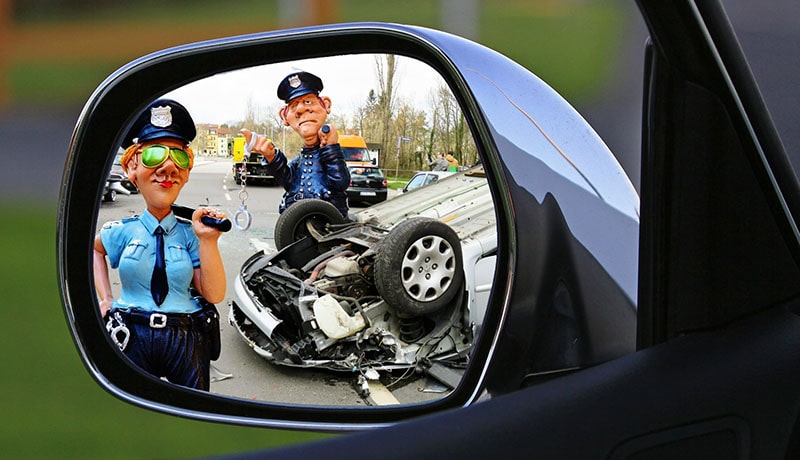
(52, 408)
(56, 83)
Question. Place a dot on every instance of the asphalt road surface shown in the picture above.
(239, 371)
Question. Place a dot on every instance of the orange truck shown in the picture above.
(356, 152)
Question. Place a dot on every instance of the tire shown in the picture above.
(110, 196)
(419, 268)
(292, 223)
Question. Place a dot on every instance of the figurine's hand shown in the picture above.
(201, 229)
(259, 144)
(328, 135)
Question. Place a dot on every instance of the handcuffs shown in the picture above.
(242, 217)
(116, 327)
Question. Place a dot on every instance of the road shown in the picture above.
(250, 376)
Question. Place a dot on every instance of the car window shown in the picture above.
(417, 181)
(371, 172)
(431, 179)
(356, 154)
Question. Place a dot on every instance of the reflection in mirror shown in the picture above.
(380, 306)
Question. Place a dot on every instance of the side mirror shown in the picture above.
(546, 228)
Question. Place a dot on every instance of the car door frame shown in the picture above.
(718, 360)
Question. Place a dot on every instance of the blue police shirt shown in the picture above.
(130, 245)
(317, 172)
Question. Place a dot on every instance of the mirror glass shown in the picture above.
(380, 308)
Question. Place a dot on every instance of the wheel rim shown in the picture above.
(428, 268)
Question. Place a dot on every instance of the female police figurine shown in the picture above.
(159, 257)
(319, 171)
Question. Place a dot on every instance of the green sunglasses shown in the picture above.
(154, 156)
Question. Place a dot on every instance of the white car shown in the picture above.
(423, 178)
(405, 283)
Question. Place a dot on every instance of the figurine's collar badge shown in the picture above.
(294, 81)
(161, 117)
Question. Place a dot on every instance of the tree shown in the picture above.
(386, 71)
(410, 123)
(449, 131)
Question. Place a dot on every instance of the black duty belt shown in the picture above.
(158, 320)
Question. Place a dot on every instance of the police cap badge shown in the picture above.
(163, 118)
(298, 84)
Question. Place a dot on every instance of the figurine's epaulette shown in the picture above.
(122, 221)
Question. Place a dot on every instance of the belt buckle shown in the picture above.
(158, 320)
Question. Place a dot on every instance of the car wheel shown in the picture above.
(304, 217)
(110, 195)
(419, 267)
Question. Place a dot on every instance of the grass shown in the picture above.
(396, 183)
(52, 408)
(62, 57)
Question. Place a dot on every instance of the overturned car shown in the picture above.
(400, 285)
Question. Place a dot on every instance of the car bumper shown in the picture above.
(370, 195)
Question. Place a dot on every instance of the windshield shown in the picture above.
(356, 154)
(371, 172)
(420, 180)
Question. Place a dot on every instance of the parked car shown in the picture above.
(367, 185)
(117, 182)
(423, 178)
(612, 330)
(116, 168)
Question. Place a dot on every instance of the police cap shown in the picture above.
(163, 118)
(298, 84)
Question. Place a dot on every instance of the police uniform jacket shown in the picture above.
(317, 172)
(130, 245)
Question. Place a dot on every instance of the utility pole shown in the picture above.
(400, 141)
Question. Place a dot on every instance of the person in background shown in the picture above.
(452, 163)
(438, 163)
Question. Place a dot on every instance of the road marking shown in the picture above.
(380, 395)
(227, 195)
(261, 245)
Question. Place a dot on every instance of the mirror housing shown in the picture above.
(565, 287)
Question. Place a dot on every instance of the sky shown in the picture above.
(347, 80)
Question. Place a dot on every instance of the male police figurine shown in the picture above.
(319, 171)
(159, 257)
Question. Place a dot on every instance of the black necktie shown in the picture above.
(158, 283)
